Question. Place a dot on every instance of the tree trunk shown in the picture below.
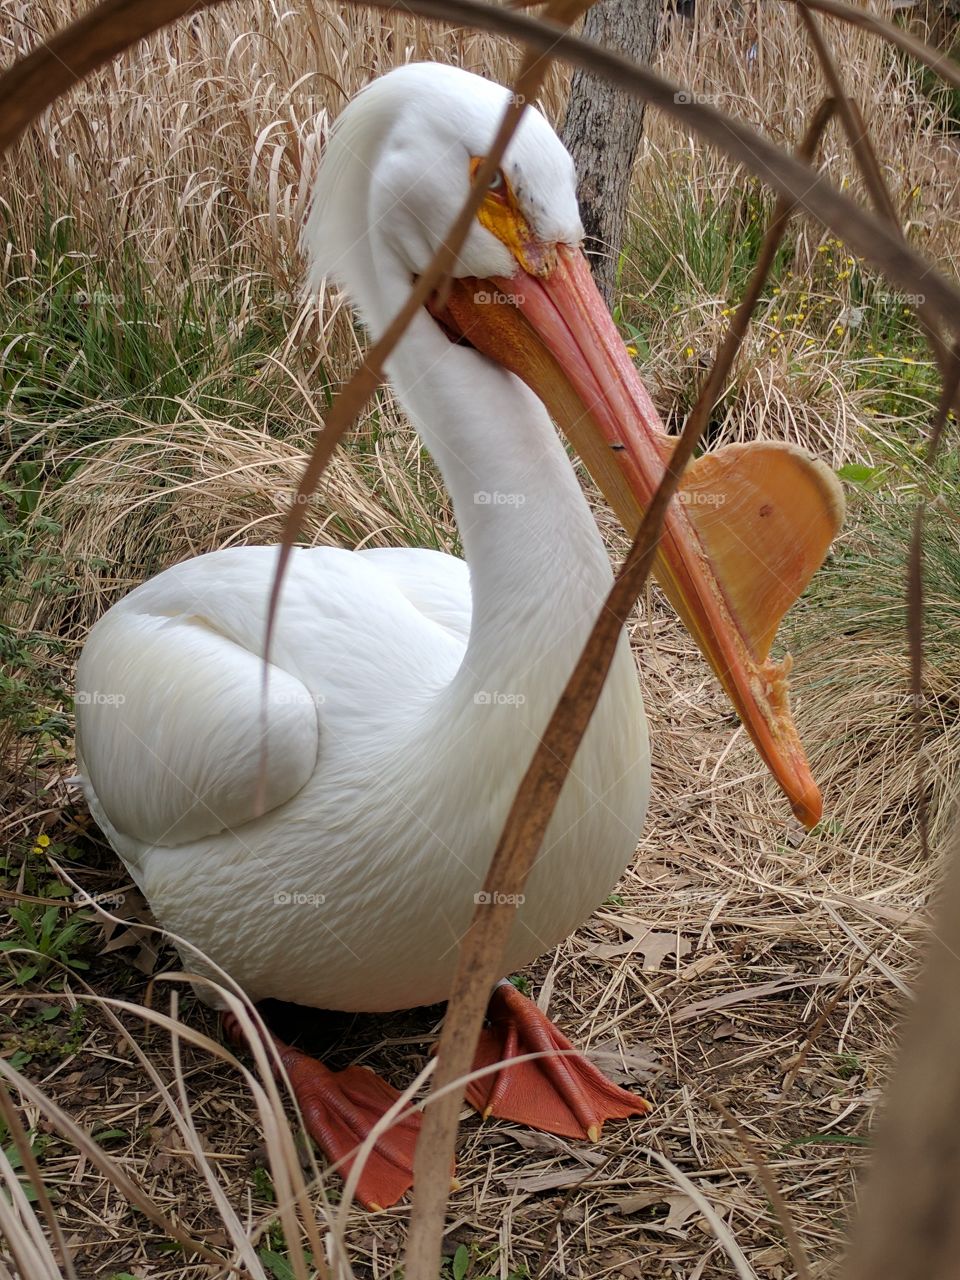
(602, 129)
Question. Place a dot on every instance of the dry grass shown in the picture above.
(811, 370)
(860, 691)
(196, 151)
(193, 159)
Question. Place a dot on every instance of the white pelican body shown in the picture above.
(408, 688)
(401, 732)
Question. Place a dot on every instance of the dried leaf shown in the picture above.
(773, 1256)
(680, 1208)
(128, 938)
(654, 947)
(146, 959)
(619, 1262)
(132, 906)
(147, 956)
(639, 1063)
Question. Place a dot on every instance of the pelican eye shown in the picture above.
(497, 186)
(500, 214)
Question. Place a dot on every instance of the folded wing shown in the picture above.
(172, 717)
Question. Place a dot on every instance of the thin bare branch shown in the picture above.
(483, 946)
(866, 158)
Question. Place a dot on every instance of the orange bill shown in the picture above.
(749, 526)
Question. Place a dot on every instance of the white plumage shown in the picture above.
(406, 693)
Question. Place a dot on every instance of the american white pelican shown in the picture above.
(408, 688)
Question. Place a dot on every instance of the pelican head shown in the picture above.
(751, 523)
(404, 152)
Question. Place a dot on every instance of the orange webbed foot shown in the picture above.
(339, 1109)
(562, 1093)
